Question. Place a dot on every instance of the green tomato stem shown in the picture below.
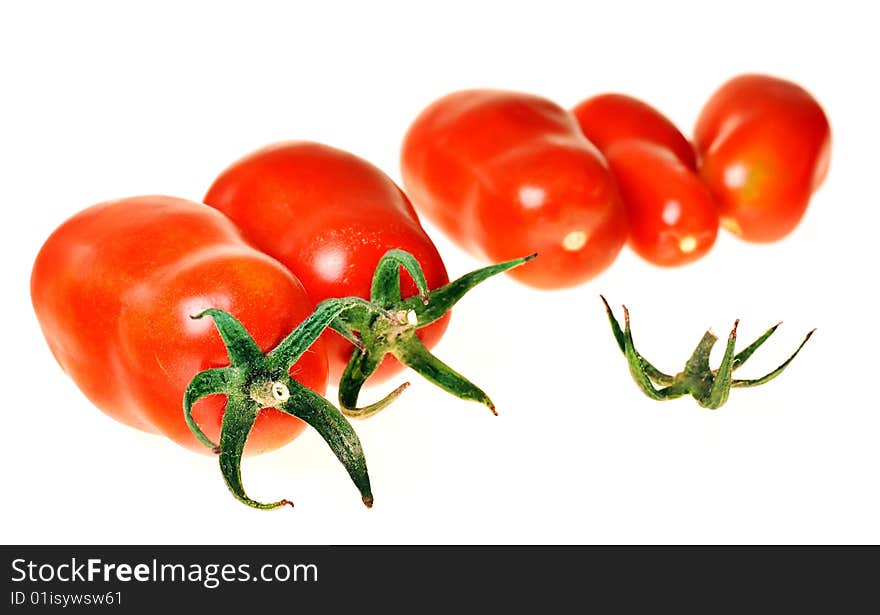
(710, 388)
(389, 326)
(254, 381)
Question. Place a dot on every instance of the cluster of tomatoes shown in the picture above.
(506, 173)
(297, 252)
(118, 287)
(115, 286)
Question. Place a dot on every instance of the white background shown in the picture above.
(111, 99)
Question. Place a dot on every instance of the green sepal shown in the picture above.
(637, 367)
(240, 346)
(411, 352)
(711, 388)
(768, 377)
(655, 374)
(746, 352)
(347, 332)
(255, 381)
(337, 432)
(238, 420)
(209, 382)
(360, 367)
(292, 347)
(385, 289)
(441, 300)
(720, 389)
(393, 331)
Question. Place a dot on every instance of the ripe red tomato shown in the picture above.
(507, 174)
(673, 219)
(764, 146)
(329, 217)
(114, 288)
(608, 118)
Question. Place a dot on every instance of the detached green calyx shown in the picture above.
(254, 381)
(392, 329)
(709, 387)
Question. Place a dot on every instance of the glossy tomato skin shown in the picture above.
(672, 215)
(114, 288)
(328, 216)
(506, 174)
(764, 146)
(609, 118)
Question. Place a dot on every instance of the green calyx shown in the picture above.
(390, 328)
(709, 387)
(254, 381)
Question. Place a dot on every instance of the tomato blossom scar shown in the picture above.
(574, 241)
(687, 244)
(731, 225)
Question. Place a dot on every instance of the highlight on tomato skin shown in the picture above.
(507, 173)
(606, 119)
(328, 216)
(673, 219)
(764, 145)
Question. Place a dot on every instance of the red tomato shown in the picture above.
(114, 288)
(764, 146)
(507, 174)
(672, 217)
(608, 118)
(329, 217)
